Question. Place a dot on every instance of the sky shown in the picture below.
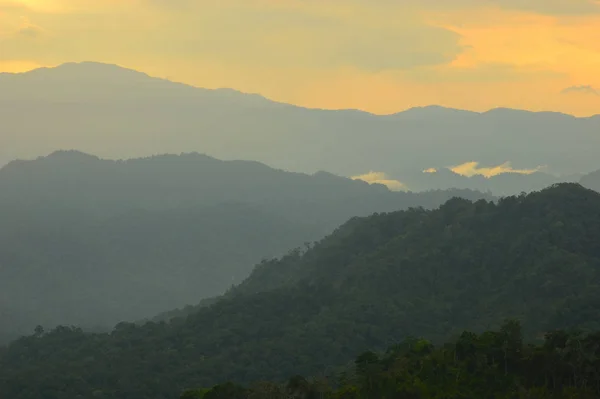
(381, 56)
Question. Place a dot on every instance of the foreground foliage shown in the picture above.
(494, 364)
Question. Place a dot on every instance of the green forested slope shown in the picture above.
(372, 283)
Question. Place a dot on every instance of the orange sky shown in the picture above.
(381, 56)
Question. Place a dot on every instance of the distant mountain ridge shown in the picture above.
(49, 84)
(166, 181)
(97, 72)
(592, 180)
(120, 113)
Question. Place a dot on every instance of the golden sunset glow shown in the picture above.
(470, 169)
(380, 56)
(381, 178)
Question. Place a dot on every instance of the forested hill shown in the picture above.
(372, 283)
(91, 242)
(74, 180)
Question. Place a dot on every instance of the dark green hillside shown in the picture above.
(372, 283)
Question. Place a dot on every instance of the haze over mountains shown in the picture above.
(370, 284)
(592, 180)
(118, 113)
(92, 242)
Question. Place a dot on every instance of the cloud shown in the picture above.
(584, 89)
(29, 30)
(330, 36)
(381, 178)
(470, 169)
(381, 49)
(253, 33)
(485, 72)
(172, 4)
(554, 7)
(548, 7)
(33, 6)
(12, 6)
(430, 170)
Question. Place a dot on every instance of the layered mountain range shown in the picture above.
(120, 113)
(91, 242)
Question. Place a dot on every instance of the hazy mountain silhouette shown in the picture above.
(91, 242)
(592, 180)
(119, 113)
(501, 185)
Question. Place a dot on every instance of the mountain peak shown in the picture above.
(569, 189)
(87, 66)
(87, 73)
(70, 155)
(83, 82)
(433, 111)
(504, 111)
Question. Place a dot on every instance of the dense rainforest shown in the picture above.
(93, 242)
(494, 364)
(369, 285)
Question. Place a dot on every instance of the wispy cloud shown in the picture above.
(584, 89)
(472, 168)
(9, 6)
(381, 178)
(553, 7)
(28, 29)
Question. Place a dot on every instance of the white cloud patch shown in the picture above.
(381, 178)
(472, 168)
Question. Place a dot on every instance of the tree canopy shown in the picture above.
(493, 364)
